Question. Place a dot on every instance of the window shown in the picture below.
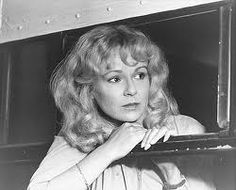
(197, 45)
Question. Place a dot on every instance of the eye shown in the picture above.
(114, 79)
(140, 75)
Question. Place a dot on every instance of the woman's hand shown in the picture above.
(155, 134)
(167, 166)
(124, 139)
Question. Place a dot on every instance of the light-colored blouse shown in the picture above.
(133, 174)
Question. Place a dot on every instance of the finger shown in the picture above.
(152, 134)
(147, 146)
(139, 135)
(138, 130)
(133, 126)
(137, 126)
(145, 138)
(167, 136)
(172, 127)
(161, 132)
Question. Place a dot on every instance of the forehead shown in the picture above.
(115, 62)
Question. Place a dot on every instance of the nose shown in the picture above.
(130, 89)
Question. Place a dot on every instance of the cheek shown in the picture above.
(144, 90)
(106, 98)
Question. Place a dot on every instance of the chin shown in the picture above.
(131, 118)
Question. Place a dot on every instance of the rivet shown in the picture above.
(109, 9)
(77, 15)
(141, 2)
(19, 27)
(47, 21)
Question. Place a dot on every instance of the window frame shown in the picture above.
(224, 140)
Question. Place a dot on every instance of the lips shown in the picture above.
(131, 105)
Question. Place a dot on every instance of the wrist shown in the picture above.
(108, 152)
(172, 186)
(174, 179)
(172, 176)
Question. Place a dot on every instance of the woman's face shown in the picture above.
(122, 91)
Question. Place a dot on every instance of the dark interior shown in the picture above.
(191, 48)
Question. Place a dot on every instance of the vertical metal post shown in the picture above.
(224, 69)
(5, 89)
(233, 69)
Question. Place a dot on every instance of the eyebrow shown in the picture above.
(120, 71)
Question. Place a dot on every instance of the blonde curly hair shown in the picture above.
(72, 83)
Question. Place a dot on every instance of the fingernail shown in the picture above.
(152, 142)
(147, 146)
(165, 139)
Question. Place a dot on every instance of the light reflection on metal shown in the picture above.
(47, 21)
(77, 15)
(109, 9)
(19, 27)
(141, 2)
(224, 69)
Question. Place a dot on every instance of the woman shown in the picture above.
(111, 89)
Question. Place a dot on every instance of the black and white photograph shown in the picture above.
(118, 95)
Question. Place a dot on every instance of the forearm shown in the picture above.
(95, 163)
(91, 167)
(70, 179)
(61, 167)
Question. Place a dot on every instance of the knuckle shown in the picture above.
(164, 128)
(155, 129)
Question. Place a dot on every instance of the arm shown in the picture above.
(58, 170)
(197, 168)
(198, 177)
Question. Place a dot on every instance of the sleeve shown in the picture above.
(187, 125)
(198, 168)
(61, 157)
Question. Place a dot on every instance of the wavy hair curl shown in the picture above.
(72, 83)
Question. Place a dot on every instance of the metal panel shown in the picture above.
(25, 18)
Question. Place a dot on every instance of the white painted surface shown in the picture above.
(1, 14)
(28, 18)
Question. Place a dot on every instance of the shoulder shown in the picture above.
(60, 157)
(186, 125)
(60, 150)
